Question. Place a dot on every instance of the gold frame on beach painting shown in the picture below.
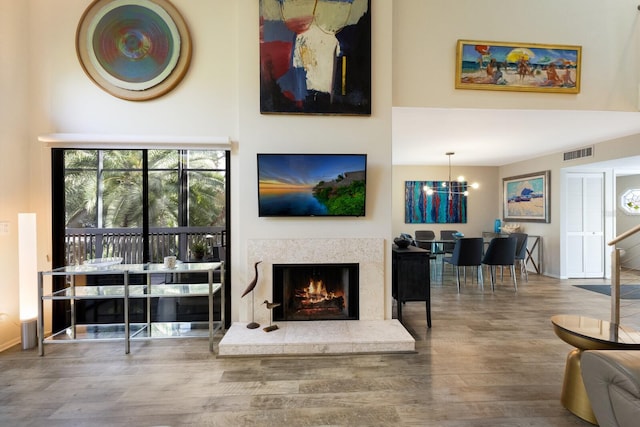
(526, 197)
(522, 67)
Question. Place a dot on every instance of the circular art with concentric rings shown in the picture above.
(134, 49)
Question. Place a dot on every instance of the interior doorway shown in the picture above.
(585, 226)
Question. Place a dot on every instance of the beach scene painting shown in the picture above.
(526, 197)
(518, 67)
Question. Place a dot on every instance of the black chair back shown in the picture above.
(467, 251)
(422, 235)
(521, 244)
(501, 251)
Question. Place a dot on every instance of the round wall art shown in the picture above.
(134, 49)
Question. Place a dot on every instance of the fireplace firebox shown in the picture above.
(316, 291)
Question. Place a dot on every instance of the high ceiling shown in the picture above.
(485, 137)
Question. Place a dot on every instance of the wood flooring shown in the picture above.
(491, 359)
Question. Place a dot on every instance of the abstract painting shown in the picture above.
(315, 57)
(518, 67)
(526, 197)
(441, 207)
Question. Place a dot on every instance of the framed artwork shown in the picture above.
(133, 49)
(518, 67)
(526, 197)
(441, 207)
(315, 57)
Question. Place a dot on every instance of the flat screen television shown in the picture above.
(312, 184)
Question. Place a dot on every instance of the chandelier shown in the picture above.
(449, 187)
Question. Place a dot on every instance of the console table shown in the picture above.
(411, 280)
(126, 331)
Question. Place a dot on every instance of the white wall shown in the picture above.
(426, 32)
(14, 157)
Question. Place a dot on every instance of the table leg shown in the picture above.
(574, 394)
(428, 304)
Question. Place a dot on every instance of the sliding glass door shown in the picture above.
(140, 205)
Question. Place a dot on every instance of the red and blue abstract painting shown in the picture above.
(315, 57)
(448, 205)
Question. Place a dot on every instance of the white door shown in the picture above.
(585, 225)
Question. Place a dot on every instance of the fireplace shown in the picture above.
(316, 291)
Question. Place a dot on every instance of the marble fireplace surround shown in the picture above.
(367, 252)
(371, 333)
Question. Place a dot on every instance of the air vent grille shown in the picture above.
(578, 154)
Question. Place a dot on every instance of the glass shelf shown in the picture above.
(137, 331)
(105, 332)
(135, 291)
(170, 330)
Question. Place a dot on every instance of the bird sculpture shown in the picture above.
(250, 287)
(270, 306)
(254, 282)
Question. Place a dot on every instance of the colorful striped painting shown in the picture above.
(437, 208)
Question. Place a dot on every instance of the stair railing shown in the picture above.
(615, 274)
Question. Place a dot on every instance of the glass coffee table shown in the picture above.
(586, 333)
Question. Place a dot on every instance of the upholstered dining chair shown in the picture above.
(501, 252)
(448, 235)
(521, 253)
(423, 237)
(467, 252)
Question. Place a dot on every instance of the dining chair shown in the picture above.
(448, 235)
(467, 252)
(423, 238)
(521, 253)
(501, 252)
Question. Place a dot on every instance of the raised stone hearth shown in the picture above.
(374, 332)
(318, 337)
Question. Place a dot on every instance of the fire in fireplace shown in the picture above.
(316, 291)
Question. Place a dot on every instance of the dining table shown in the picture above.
(436, 248)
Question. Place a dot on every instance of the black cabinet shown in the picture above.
(411, 279)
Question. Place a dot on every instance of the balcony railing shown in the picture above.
(88, 243)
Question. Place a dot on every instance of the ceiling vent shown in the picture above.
(578, 154)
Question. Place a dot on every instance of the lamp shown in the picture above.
(448, 187)
(27, 278)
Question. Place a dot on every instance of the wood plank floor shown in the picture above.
(491, 359)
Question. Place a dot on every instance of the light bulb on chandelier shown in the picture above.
(450, 187)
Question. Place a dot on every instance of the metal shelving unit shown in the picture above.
(126, 331)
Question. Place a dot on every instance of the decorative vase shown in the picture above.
(402, 242)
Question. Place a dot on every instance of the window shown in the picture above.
(143, 204)
(630, 201)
